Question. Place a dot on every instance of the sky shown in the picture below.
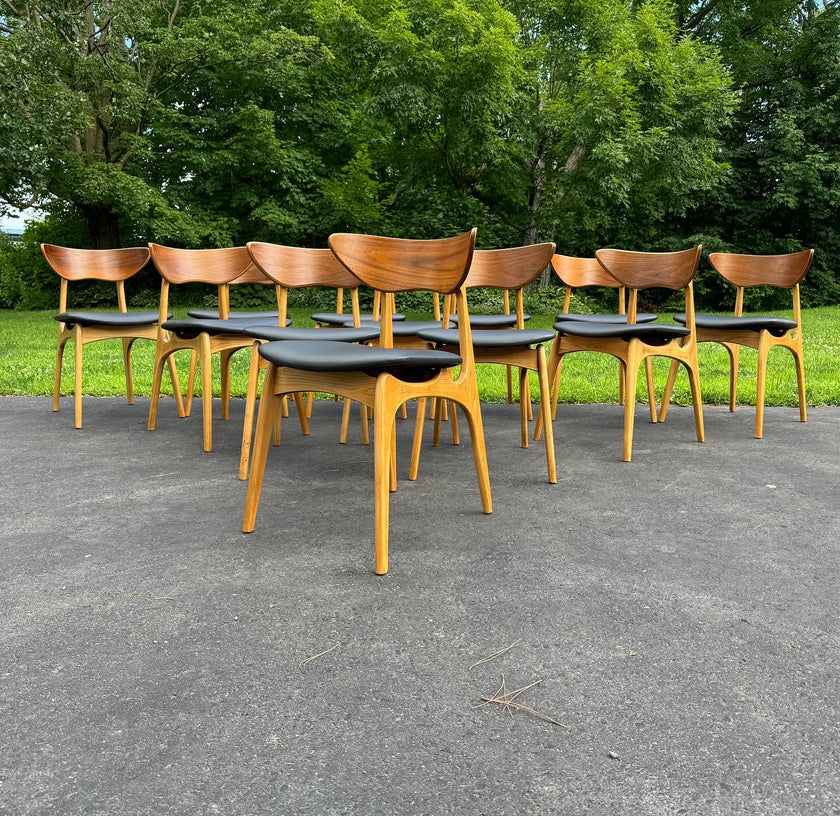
(16, 222)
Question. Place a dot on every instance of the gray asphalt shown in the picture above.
(680, 614)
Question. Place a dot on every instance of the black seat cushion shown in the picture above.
(340, 334)
(491, 338)
(491, 321)
(777, 326)
(403, 328)
(335, 319)
(644, 317)
(115, 319)
(213, 314)
(648, 332)
(413, 365)
(187, 329)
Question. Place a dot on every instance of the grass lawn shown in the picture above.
(27, 350)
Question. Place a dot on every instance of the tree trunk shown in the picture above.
(103, 227)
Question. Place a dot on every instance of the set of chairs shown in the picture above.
(382, 361)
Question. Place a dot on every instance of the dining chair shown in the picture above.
(381, 377)
(633, 342)
(510, 269)
(583, 273)
(202, 337)
(756, 331)
(295, 268)
(82, 327)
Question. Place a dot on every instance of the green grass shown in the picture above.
(27, 350)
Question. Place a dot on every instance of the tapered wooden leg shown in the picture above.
(284, 406)
(696, 399)
(669, 388)
(77, 350)
(345, 421)
(266, 419)
(301, 410)
(761, 378)
(545, 398)
(631, 375)
(476, 427)
(417, 442)
(310, 398)
(403, 411)
(523, 411)
(157, 376)
(59, 356)
(364, 414)
(734, 355)
(621, 393)
(799, 363)
(392, 482)
(651, 392)
(191, 382)
(555, 368)
(224, 365)
(176, 385)
(129, 379)
(250, 405)
(206, 364)
(510, 385)
(440, 406)
(453, 422)
(383, 420)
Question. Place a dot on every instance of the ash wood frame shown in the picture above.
(742, 271)
(388, 265)
(110, 265)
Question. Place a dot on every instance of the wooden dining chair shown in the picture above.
(757, 331)
(511, 270)
(83, 327)
(381, 377)
(202, 337)
(633, 342)
(584, 273)
(295, 268)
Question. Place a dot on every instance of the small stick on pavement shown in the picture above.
(493, 656)
(315, 657)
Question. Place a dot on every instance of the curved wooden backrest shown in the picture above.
(762, 270)
(638, 270)
(253, 274)
(215, 266)
(510, 268)
(405, 265)
(577, 272)
(100, 264)
(294, 267)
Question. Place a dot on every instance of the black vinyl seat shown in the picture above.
(233, 314)
(644, 317)
(187, 329)
(776, 326)
(340, 319)
(491, 321)
(649, 332)
(491, 338)
(404, 328)
(114, 319)
(341, 334)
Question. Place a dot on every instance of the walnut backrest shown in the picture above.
(213, 266)
(295, 267)
(784, 271)
(509, 268)
(406, 265)
(639, 270)
(98, 264)
(579, 272)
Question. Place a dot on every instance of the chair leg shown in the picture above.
(631, 376)
(301, 410)
(157, 376)
(417, 442)
(206, 364)
(524, 400)
(77, 350)
(224, 361)
(479, 448)
(763, 349)
(799, 363)
(545, 397)
(266, 420)
(129, 379)
(383, 421)
(555, 368)
(250, 404)
(734, 355)
(510, 386)
(345, 421)
(59, 357)
(696, 398)
(176, 385)
(363, 415)
(651, 392)
(191, 383)
(453, 422)
(669, 388)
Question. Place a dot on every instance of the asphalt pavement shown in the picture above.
(674, 619)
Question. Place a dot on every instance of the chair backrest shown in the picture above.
(579, 272)
(762, 270)
(510, 268)
(639, 270)
(295, 267)
(406, 265)
(97, 264)
(213, 266)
